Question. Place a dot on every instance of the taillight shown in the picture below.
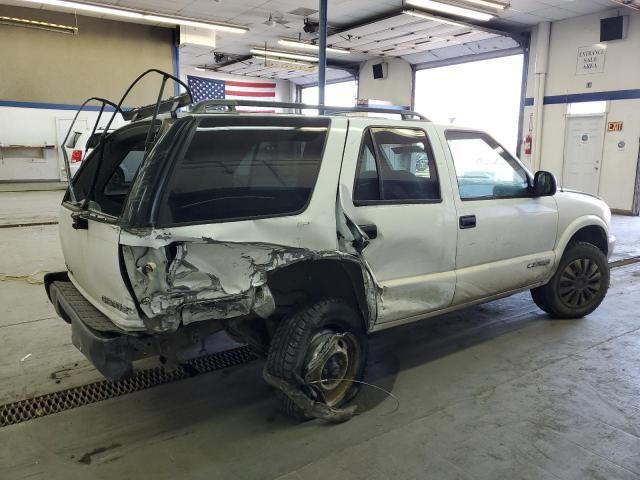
(76, 156)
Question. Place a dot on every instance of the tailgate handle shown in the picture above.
(467, 221)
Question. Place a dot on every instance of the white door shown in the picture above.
(584, 137)
(395, 188)
(506, 236)
(62, 127)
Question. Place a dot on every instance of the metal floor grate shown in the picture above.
(50, 403)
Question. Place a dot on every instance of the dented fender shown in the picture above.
(180, 281)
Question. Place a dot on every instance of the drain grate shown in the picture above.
(43, 405)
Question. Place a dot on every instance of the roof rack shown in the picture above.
(210, 106)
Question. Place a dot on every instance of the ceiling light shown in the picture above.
(193, 23)
(88, 8)
(451, 9)
(288, 62)
(274, 53)
(25, 22)
(309, 46)
(488, 3)
(118, 12)
(428, 16)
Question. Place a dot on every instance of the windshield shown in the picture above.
(245, 168)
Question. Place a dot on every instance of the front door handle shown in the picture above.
(467, 221)
(370, 230)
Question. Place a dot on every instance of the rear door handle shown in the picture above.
(467, 221)
(370, 230)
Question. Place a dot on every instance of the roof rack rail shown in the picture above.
(207, 106)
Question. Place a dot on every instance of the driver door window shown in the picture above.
(484, 169)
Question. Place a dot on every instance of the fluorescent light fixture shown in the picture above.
(274, 53)
(25, 22)
(288, 62)
(119, 12)
(451, 9)
(428, 16)
(193, 23)
(87, 7)
(200, 69)
(488, 3)
(308, 46)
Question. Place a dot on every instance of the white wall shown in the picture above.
(395, 88)
(621, 72)
(285, 90)
(37, 126)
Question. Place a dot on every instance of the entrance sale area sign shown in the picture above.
(591, 59)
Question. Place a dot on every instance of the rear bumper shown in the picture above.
(110, 351)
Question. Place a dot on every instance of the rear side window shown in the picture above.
(238, 168)
(396, 165)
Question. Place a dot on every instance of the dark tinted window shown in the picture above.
(403, 162)
(245, 167)
(94, 139)
(119, 159)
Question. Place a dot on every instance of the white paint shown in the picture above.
(410, 259)
(622, 72)
(583, 152)
(396, 87)
(417, 259)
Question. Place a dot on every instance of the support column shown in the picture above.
(541, 66)
(322, 54)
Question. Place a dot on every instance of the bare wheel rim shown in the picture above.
(331, 365)
(580, 283)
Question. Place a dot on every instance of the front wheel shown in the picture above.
(320, 349)
(579, 285)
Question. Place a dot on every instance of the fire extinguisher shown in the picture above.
(527, 144)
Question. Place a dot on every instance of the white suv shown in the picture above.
(301, 235)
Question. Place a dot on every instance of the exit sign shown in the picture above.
(614, 126)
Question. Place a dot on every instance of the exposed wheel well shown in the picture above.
(594, 235)
(311, 280)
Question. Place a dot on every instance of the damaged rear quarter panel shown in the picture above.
(180, 275)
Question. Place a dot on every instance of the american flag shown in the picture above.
(212, 89)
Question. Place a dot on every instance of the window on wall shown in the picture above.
(343, 94)
(484, 94)
(587, 108)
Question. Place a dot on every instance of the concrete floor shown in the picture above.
(497, 391)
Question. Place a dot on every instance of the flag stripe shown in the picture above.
(240, 93)
(231, 83)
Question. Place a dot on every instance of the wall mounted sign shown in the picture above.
(590, 60)
(614, 126)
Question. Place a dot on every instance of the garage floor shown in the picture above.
(497, 391)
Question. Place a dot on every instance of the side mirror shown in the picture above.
(544, 184)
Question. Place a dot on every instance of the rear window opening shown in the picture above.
(122, 155)
(238, 168)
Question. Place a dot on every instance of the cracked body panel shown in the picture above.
(180, 282)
